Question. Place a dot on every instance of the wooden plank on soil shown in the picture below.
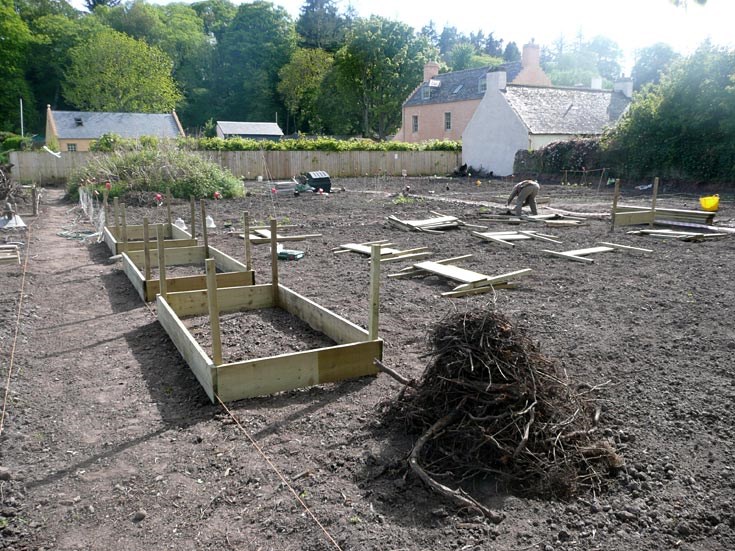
(230, 299)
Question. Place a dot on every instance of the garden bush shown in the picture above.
(157, 170)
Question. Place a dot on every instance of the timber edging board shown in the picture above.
(176, 238)
(233, 274)
(352, 356)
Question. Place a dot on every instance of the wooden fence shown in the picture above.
(44, 168)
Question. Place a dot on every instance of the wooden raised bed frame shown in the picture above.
(123, 237)
(138, 264)
(352, 357)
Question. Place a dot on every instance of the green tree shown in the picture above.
(651, 63)
(300, 86)
(256, 44)
(685, 125)
(15, 41)
(55, 36)
(114, 72)
(511, 52)
(377, 68)
(320, 25)
(216, 16)
(608, 55)
(91, 5)
(460, 56)
(30, 10)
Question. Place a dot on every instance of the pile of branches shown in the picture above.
(490, 403)
(10, 190)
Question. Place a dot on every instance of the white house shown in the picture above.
(512, 117)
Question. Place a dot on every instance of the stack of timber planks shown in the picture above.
(663, 215)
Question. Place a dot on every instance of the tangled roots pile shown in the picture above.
(490, 403)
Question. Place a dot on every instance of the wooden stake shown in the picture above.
(168, 213)
(146, 251)
(246, 232)
(274, 260)
(116, 208)
(161, 260)
(193, 209)
(214, 311)
(653, 201)
(34, 198)
(106, 204)
(203, 209)
(124, 229)
(616, 196)
(374, 292)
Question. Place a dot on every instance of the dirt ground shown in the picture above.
(109, 442)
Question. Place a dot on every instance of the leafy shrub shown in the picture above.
(16, 143)
(314, 144)
(556, 157)
(108, 143)
(161, 170)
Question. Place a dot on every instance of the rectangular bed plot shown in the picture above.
(133, 240)
(351, 357)
(231, 273)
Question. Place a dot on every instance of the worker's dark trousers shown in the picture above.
(527, 196)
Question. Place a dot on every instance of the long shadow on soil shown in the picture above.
(171, 384)
(120, 291)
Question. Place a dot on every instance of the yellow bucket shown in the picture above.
(710, 203)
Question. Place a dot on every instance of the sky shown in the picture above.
(632, 24)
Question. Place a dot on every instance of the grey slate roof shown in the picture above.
(128, 125)
(566, 110)
(250, 128)
(468, 79)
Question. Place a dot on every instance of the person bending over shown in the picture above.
(526, 191)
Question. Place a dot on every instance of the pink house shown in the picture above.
(443, 104)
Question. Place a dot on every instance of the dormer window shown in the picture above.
(426, 93)
(482, 84)
(457, 89)
(78, 121)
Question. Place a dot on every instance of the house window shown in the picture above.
(482, 84)
(415, 123)
(447, 121)
(71, 147)
(426, 93)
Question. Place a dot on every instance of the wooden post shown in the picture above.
(193, 225)
(374, 292)
(116, 208)
(616, 196)
(274, 260)
(106, 205)
(34, 198)
(168, 213)
(161, 260)
(124, 228)
(653, 200)
(146, 251)
(204, 227)
(214, 311)
(246, 233)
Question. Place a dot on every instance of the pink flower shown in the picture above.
(217, 195)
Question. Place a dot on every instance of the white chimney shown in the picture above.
(624, 85)
(496, 80)
(596, 83)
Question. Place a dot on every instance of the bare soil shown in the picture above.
(109, 442)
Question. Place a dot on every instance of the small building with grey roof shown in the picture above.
(252, 130)
(76, 130)
(512, 117)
